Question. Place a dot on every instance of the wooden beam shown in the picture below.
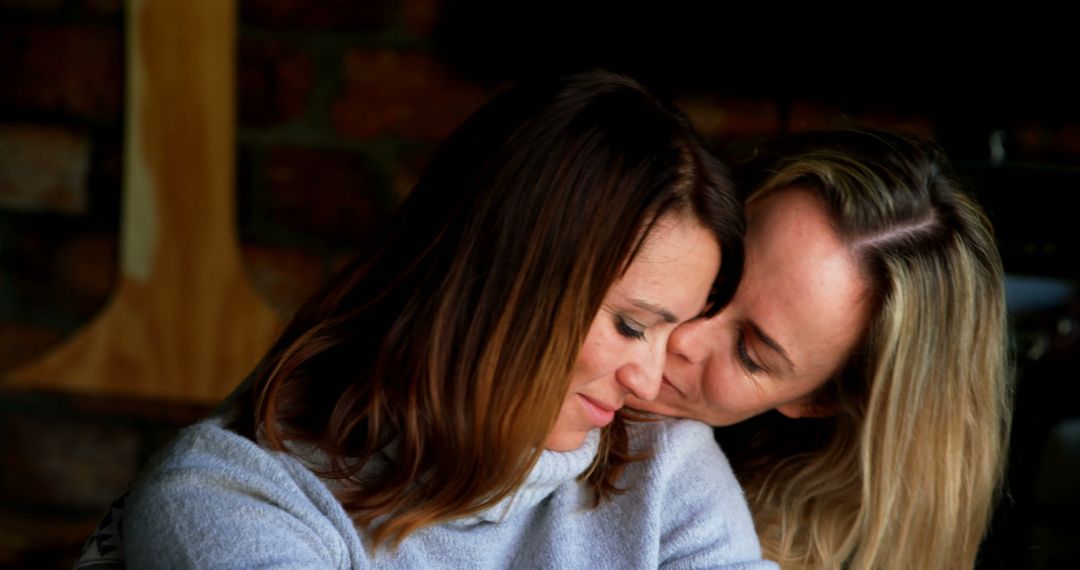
(184, 322)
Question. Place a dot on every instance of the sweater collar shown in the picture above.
(553, 469)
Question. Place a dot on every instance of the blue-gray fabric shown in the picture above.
(214, 499)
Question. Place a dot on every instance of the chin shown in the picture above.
(567, 442)
(726, 420)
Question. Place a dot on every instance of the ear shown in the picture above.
(806, 407)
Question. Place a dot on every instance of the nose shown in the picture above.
(642, 376)
(688, 341)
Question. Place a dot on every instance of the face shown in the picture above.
(624, 350)
(800, 310)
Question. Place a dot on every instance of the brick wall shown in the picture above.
(339, 105)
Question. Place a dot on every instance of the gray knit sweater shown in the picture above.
(213, 499)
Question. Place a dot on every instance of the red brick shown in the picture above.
(274, 82)
(67, 464)
(812, 115)
(285, 277)
(402, 94)
(107, 176)
(44, 274)
(420, 16)
(321, 192)
(358, 15)
(21, 343)
(727, 118)
(43, 169)
(62, 68)
(86, 267)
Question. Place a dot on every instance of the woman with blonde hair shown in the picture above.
(870, 324)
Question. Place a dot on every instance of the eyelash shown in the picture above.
(744, 356)
(623, 327)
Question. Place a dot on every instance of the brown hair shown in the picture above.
(456, 338)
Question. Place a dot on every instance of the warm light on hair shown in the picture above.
(455, 340)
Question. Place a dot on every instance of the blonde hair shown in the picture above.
(907, 472)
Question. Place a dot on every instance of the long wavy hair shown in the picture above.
(456, 338)
(906, 473)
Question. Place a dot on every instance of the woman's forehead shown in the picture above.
(801, 285)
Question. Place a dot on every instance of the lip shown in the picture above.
(599, 413)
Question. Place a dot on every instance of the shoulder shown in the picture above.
(211, 490)
(206, 455)
(660, 429)
(678, 444)
(704, 518)
(208, 447)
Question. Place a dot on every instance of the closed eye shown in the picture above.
(628, 328)
(744, 356)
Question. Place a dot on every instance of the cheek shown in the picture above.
(722, 379)
(716, 390)
(599, 356)
(731, 392)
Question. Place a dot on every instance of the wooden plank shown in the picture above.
(184, 322)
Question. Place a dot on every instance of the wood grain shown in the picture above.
(184, 322)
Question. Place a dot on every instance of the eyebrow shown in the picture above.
(771, 343)
(664, 313)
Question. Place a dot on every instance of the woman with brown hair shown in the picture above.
(452, 399)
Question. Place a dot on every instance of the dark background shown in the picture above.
(339, 104)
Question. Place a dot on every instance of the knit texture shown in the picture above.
(213, 499)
